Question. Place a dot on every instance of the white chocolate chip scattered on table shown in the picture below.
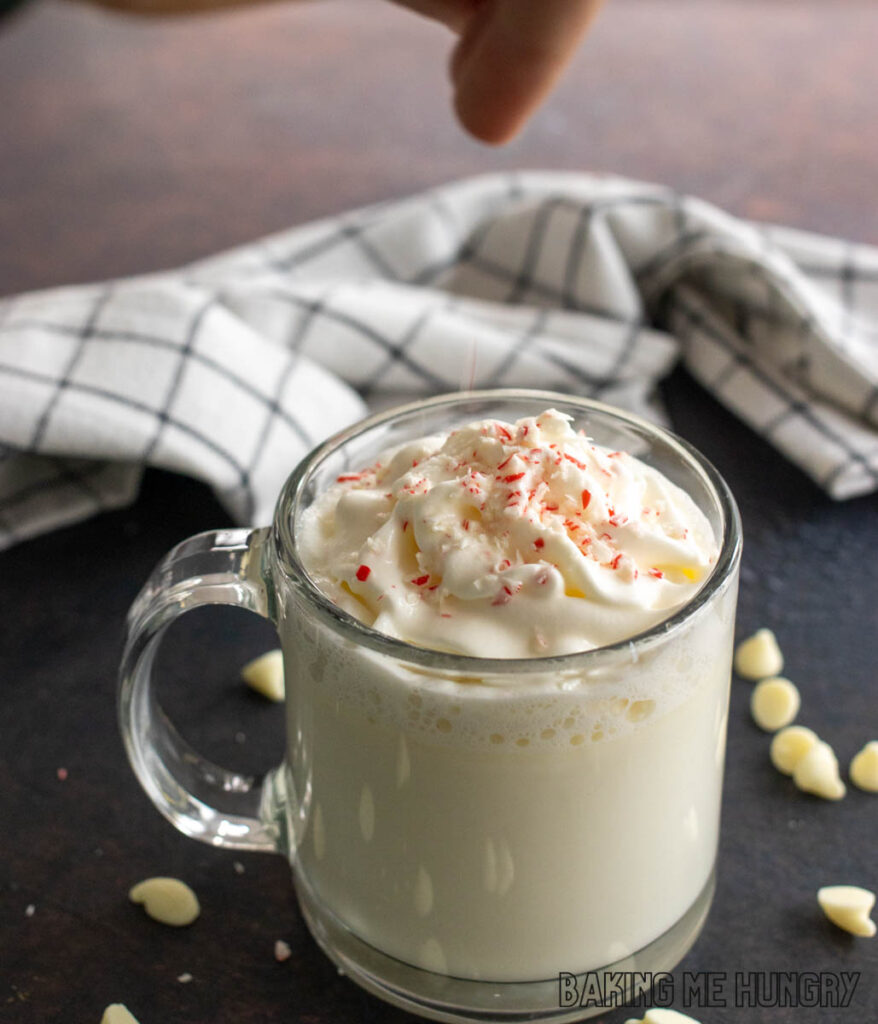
(848, 906)
(265, 675)
(817, 773)
(774, 703)
(759, 656)
(118, 1013)
(661, 1015)
(282, 951)
(864, 768)
(790, 745)
(167, 900)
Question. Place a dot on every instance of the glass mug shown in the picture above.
(469, 837)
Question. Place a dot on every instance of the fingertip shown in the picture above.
(485, 125)
(509, 59)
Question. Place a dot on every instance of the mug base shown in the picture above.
(443, 998)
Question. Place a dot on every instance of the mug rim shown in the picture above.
(339, 620)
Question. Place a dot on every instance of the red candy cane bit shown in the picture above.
(585, 498)
(576, 462)
(512, 478)
(615, 563)
(419, 581)
(539, 543)
(465, 524)
(348, 477)
(503, 432)
(363, 573)
(506, 461)
(405, 525)
(656, 573)
(445, 615)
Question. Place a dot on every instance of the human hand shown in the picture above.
(509, 56)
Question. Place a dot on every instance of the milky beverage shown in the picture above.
(495, 826)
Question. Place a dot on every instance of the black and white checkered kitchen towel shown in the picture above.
(233, 368)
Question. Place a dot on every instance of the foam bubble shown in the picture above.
(518, 713)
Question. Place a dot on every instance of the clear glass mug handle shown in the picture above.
(201, 799)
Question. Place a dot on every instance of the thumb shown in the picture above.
(511, 54)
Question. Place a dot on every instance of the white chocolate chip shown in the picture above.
(660, 1015)
(759, 657)
(265, 675)
(282, 951)
(118, 1013)
(789, 746)
(817, 772)
(774, 703)
(864, 768)
(848, 906)
(167, 900)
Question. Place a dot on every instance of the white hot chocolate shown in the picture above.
(507, 826)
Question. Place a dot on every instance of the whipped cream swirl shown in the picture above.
(507, 541)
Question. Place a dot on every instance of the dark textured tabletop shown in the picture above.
(130, 146)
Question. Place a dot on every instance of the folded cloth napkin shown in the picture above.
(232, 368)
